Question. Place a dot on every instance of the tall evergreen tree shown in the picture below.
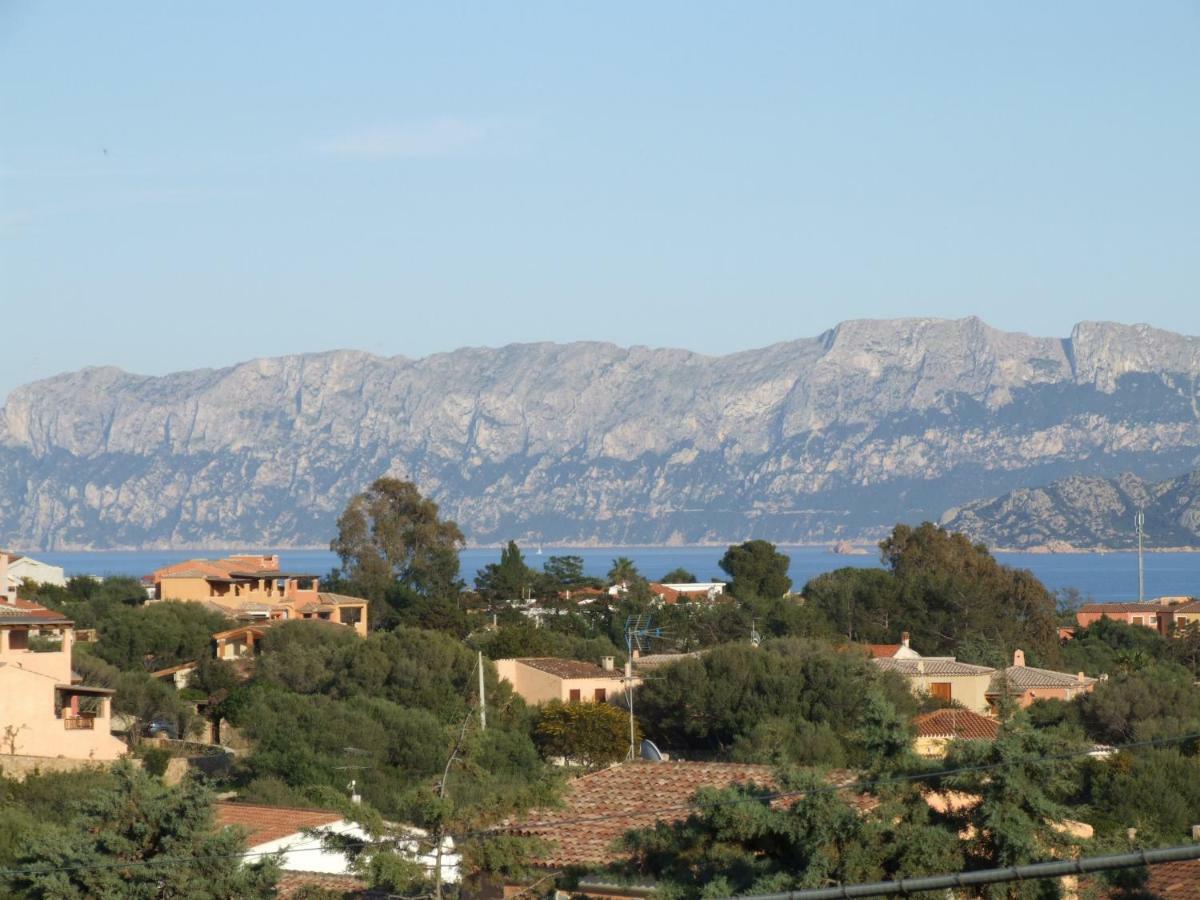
(510, 579)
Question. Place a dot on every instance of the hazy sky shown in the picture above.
(187, 185)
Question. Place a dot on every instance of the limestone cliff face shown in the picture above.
(1086, 512)
(813, 439)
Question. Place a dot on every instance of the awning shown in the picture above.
(84, 689)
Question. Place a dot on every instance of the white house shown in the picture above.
(20, 568)
(296, 833)
(708, 590)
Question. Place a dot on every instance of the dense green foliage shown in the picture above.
(587, 734)
(790, 700)
(508, 580)
(166, 838)
(158, 635)
(86, 601)
(756, 571)
(393, 547)
(947, 593)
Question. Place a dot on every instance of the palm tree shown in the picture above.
(623, 571)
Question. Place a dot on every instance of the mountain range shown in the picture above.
(816, 439)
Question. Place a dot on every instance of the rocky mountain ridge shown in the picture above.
(1087, 512)
(816, 439)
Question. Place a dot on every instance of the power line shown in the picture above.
(861, 786)
(524, 826)
(1053, 869)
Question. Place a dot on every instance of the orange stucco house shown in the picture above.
(44, 710)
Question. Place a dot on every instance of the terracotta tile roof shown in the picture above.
(270, 823)
(600, 807)
(20, 611)
(1134, 607)
(883, 651)
(336, 599)
(664, 593)
(291, 882)
(171, 670)
(568, 668)
(1023, 678)
(931, 666)
(652, 661)
(1165, 881)
(958, 723)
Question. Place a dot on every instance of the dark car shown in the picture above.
(163, 728)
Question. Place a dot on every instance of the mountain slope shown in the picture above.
(1087, 512)
(833, 436)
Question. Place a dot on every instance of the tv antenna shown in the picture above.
(1139, 527)
(638, 634)
(352, 787)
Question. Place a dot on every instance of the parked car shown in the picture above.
(163, 728)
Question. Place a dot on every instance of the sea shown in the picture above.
(1101, 577)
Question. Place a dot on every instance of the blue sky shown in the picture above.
(192, 185)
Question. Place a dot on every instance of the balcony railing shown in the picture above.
(79, 723)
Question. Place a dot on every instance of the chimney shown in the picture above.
(637, 654)
(1196, 832)
(1019, 658)
(606, 663)
(1080, 676)
(904, 640)
(920, 667)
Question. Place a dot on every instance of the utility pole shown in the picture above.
(482, 697)
(1139, 527)
(629, 697)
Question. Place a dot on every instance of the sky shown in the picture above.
(192, 185)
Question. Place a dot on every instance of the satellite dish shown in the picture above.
(650, 752)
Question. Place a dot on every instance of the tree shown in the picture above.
(756, 570)
(566, 572)
(138, 820)
(862, 604)
(1022, 782)
(789, 700)
(736, 842)
(507, 580)
(156, 636)
(679, 575)
(592, 734)
(1154, 702)
(623, 571)
(949, 589)
(391, 535)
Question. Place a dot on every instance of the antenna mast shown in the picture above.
(1139, 527)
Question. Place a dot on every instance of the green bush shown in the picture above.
(155, 760)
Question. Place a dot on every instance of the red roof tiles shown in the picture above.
(568, 668)
(956, 723)
(270, 823)
(600, 807)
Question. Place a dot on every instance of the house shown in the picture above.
(934, 730)
(45, 710)
(178, 676)
(1156, 615)
(699, 590)
(600, 807)
(942, 677)
(540, 679)
(297, 834)
(254, 587)
(1184, 614)
(901, 650)
(16, 569)
(1025, 684)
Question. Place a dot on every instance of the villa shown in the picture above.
(46, 711)
(545, 678)
(255, 588)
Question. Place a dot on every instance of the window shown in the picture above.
(601, 695)
(574, 695)
(940, 689)
(1139, 620)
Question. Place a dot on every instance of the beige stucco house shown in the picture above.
(44, 711)
(944, 677)
(254, 587)
(544, 678)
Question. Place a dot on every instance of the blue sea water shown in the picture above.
(1105, 577)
